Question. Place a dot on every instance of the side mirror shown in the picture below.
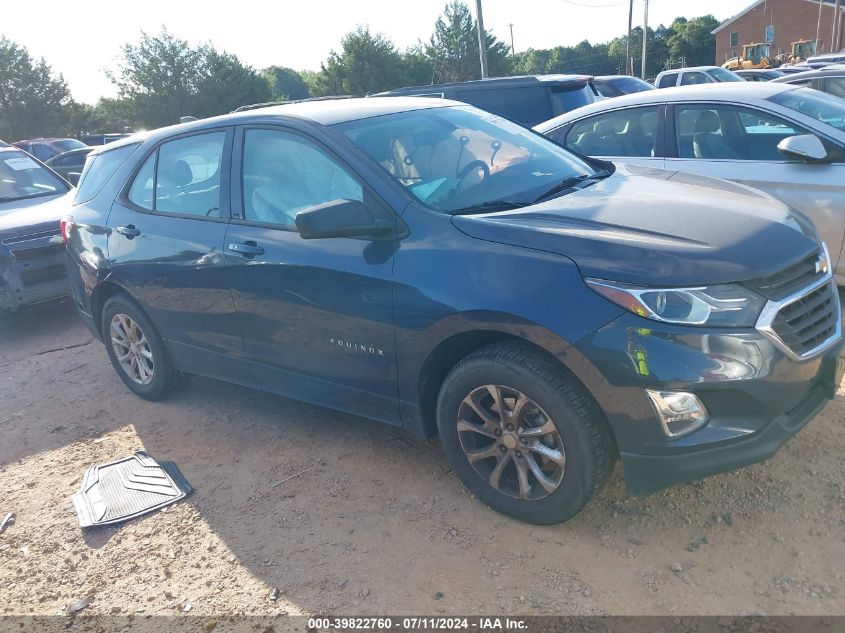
(807, 148)
(339, 218)
(73, 178)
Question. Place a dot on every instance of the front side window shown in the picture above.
(283, 174)
(456, 158)
(690, 79)
(22, 177)
(629, 132)
(821, 106)
(731, 133)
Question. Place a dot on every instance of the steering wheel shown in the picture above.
(470, 168)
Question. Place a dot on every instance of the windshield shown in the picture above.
(457, 157)
(720, 74)
(22, 177)
(821, 106)
(567, 99)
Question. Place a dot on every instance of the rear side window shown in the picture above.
(182, 177)
(690, 79)
(667, 81)
(835, 86)
(629, 132)
(98, 171)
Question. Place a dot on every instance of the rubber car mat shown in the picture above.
(127, 488)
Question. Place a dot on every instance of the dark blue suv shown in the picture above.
(437, 267)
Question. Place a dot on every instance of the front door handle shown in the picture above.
(129, 231)
(247, 249)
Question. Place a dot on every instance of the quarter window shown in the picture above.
(98, 171)
(284, 174)
(631, 132)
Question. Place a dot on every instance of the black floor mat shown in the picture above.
(127, 488)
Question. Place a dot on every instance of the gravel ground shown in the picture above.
(367, 519)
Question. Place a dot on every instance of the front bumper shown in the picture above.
(757, 396)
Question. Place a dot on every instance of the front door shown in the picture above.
(316, 315)
(740, 144)
(167, 234)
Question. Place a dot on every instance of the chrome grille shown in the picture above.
(789, 280)
(809, 321)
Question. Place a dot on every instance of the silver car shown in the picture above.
(786, 140)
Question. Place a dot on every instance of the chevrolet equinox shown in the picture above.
(436, 267)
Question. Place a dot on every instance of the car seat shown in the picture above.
(708, 141)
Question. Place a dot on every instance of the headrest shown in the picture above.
(604, 128)
(182, 174)
(707, 121)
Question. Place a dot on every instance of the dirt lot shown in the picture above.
(378, 524)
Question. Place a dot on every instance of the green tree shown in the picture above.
(692, 40)
(33, 101)
(366, 63)
(163, 78)
(285, 83)
(225, 83)
(453, 48)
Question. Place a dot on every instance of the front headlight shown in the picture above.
(727, 305)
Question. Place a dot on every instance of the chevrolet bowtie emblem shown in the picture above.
(822, 264)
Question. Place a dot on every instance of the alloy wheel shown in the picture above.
(511, 442)
(132, 349)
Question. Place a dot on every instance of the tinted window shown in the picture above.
(527, 105)
(730, 133)
(141, 191)
(188, 175)
(41, 152)
(22, 177)
(284, 173)
(452, 158)
(689, 79)
(667, 81)
(66, 145)
(630, 132)
(98, 171)
(565, 100)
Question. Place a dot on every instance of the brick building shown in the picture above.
(779, 22)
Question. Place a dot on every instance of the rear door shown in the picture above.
(739, 143)
(317, 314)
(165, 244)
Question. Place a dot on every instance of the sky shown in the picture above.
(82, 40)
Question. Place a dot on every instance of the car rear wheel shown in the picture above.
(523, 435)
(136, 351)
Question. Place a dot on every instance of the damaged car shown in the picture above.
(32, 201)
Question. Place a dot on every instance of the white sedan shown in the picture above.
(785, 140)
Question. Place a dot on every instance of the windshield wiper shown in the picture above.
(568, 183)
(490, 205)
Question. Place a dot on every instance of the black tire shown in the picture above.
(165, 378)
(587, 443)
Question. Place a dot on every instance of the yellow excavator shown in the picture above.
(800, 51)
(753, 56)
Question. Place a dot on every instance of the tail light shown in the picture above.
(66, 225)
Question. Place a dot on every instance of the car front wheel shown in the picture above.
(523, 435)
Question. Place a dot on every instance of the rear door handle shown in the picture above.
(129, 231)
(247, 249)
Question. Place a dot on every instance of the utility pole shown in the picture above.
(628, 65)
(482, 44)
(513, 50)
(645, 38)
(834, 32)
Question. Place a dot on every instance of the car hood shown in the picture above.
(656, 227)
(20, 217)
